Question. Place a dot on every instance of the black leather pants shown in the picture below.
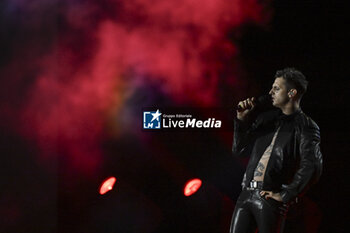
(254, 211)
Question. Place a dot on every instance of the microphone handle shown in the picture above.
(261, 100)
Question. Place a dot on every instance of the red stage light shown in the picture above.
(192, 186)
(107, 185)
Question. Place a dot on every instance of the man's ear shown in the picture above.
(292, 92)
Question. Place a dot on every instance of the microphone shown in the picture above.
(261, 102)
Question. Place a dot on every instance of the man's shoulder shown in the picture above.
(306, 122)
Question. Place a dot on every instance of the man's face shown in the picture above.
(279, 93)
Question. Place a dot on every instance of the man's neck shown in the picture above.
(290, 108)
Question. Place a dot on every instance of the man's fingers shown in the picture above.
(250, 103)
(253, 101)
(241, 104)
(270, 194)
(266, 194)
(244, 103)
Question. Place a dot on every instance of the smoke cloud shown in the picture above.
(71, 66)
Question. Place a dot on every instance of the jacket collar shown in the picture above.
(284, 117)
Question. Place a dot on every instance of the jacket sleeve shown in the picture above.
(310, 166)
(243, 135)
(240, 137)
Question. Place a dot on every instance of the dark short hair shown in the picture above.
(294, 79)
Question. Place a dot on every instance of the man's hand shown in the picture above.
(270, 194)
(246, 107)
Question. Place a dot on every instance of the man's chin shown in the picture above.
(275, 104)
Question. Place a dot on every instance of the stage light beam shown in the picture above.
(107, 185)
(192, 187)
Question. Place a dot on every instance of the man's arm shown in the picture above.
(242, 134)
(310, 166)
(242, 127)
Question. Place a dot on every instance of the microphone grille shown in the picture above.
(264, 99)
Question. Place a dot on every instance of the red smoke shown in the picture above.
(102, 50)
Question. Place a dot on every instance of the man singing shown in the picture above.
(285, 158)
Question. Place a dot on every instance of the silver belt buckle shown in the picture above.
(253, 184)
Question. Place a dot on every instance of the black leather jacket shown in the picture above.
(296, 159)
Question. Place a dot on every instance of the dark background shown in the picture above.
(308, 35)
